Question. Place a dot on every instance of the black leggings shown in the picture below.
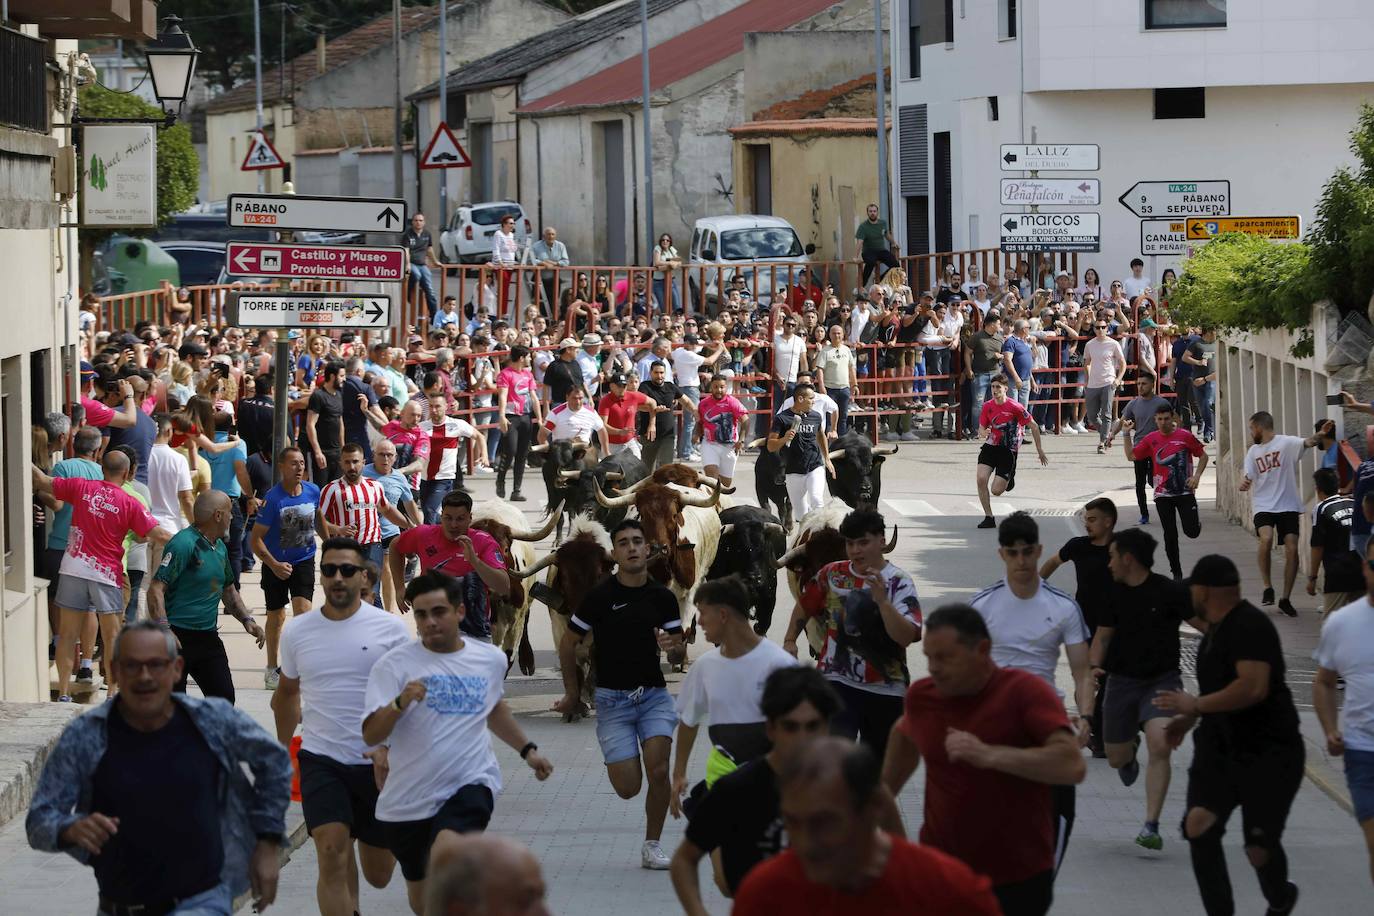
(1173, 510)
(205, 661)
(866, 716)
(1065, 801)
(1144, 478)
(515, 448)
(1031, 897)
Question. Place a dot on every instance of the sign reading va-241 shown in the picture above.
(295, 211)
(317, 262)
(1156, 199)
(308, 310)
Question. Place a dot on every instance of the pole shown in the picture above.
(281, 373)
(648, 132)
(443, 106)
(398, 170)
(257, 84)
(883, 206)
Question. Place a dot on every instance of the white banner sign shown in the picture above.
(1051, 192)
(1029, 232)
(119, 175)
(323, 311)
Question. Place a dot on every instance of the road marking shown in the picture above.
(998, 508)
(912, 508)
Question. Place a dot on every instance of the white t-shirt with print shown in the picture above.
(1347, 648)
(565, 425)
(1272, 469)
(1027, 633)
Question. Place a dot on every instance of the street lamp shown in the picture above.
(171, 64)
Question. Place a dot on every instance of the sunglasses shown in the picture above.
(347, 570)
(1101, 327)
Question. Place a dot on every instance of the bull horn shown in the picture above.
(837, 453)
(634, 486)
(757, 443)
(705, 481)
(701, 500)
(885, 451)
(614, 475)
(546, 562)
(726, 529)
(570, 475)
(891, 544)
(539, 448)
(613, 502)
(790, 556)
(539, 535)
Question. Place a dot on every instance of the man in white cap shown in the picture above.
(589, 361)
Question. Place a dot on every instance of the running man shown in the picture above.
(398, 492)
(619, 409)
(722, 426)
(633, 617)
(1172, 449)
(1332, 553)
(1141, 410)
(355, 506)
(1270, 469)
(436, 701)
(797, 433)
(1001, 422)
(326, 659)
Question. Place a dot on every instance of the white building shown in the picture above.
(1257, 93)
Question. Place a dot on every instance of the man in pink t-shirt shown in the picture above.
(722, 421)
(453, 547)
(91, 577)
(412, 443)
(1001, 421)
(98, 413)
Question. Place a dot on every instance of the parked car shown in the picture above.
(467, 238)
(201, 263)
(763, 249)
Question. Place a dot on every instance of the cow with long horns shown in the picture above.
(558, 459)
(751, 541)
(578, 486)
(510, 613)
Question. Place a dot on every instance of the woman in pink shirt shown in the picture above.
(520, 412)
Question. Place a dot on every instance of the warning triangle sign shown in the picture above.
(444, 152)
(261, 155)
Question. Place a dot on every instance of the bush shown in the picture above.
(1245, 282)
(1342, 236)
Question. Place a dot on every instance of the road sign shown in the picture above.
(261, 155)
(317, 262)
(308, 310)
(1050, 157)
(296, 211)
(1029, 232)
(1054, 192)
(1163, 236)
(444, 151)
(1154, 199)
(1272, 227)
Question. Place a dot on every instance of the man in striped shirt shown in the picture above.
(354, 504)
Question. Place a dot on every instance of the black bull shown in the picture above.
(572, 475)
(858, 480)
(751, 541)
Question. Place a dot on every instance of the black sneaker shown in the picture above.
(84, 674)
(1288, 908)
(1287, 607)
(1129, 773)
(1011, 483)
(1268, 597)
(517, 497)
(500, 489)
(987, 522)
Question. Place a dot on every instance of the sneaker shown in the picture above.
(1081, 426)
(652, 856)
(517, 497)
(891, 435)
(1150, 839)
(486, 469)
(84, 675)
(910, 436)
(987, 522)
(1287, 607)
(1011, 483)
(1129, 773)
(64, 699)
(1101, 448)
(1069, 428)
(1268, 597)
(1287, 908)
(1145, 519)
(270, 677)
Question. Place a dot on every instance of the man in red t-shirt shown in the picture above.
(994, 741)
(619, 409)
(1172, 450)
(98, 413)
(1001, 421)
(839, 862)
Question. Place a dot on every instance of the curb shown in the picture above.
(1326, 778)
(295, 839)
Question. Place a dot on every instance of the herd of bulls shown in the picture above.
(696, 533)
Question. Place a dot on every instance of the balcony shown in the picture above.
(23, 95)
(135, 19)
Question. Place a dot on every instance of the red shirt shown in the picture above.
(438, 552)
(98, 414)
(998, 824)
(1173, 459)
(918, 881)
(1003, 422)
(620, 413)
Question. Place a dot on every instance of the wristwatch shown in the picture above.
(525, 751)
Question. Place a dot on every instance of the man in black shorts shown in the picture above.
(1248, 751)
(1000, 421)
(326, 658)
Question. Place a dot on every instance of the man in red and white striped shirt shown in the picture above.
(353, 503)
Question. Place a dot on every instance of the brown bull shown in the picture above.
(678, 475)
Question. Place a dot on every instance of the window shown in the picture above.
(1185, 14)
(992, 108)
(913, 39)
(1006, 20)
(1172, 104)
(949, 22)
(457, 111)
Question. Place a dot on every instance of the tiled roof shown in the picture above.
(510, 65)
(830, 126)
(681, 55)
(820, 103)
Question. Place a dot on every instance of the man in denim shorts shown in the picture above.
(633, 618)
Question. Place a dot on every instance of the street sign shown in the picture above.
(1023, 233)
(261, 155)
(1272, 227)
(1163, 237)
(317, 262)
(1154, 199)
(324, 311)
(444, 151)
(1050, 157)
(296, 211)
(1052, 192)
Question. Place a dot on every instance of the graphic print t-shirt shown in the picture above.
(102, 514)
(719, 418)
(1004, 422)
(804, 454)
(858, 650)
(1173, 459)
(290, 522)
(448, 725)
(1271, 468)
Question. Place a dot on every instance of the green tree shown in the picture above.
(1342, 236)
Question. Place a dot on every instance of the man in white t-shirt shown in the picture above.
(859, 317)
(687, 363)
(1137, 282)
(1105, 363)
(1029, 620)
(326, 658)
(1346, 650)
(169, 480)
(1271, 478)
(436, 702)
(789, 352)
(573, 419)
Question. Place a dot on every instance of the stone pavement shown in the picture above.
(588, 839)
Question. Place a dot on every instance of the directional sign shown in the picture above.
(1154, 199)
(296, 211)
(1056, 192)
(1272, 227)
(261, 155)
(444, 151)
(1050, 157)
(309, 310)
(1163, 236)
(317, 262)
(1023, 233)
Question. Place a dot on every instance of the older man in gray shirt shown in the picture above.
(551, 253)
(1141, 410)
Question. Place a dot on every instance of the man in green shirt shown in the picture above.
(878, 245)
(185, 595)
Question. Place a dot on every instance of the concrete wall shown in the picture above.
(227, 135)
(783, 65)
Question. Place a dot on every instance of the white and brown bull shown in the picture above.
(510, 615)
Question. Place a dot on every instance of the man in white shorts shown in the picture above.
(720, 430)
(797, 434)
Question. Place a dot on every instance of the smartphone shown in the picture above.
(1335, 400)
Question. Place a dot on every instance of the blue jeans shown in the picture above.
(689, 422)
(493, 434)
(235, 540)
(663, 301)
(919, 386)
(625, 719)
(135, 581)
(217, 901)
(841, 398)
(1022, 394)
(1042, 398)
(981, 382)
(421, 274)
(432, 493)
(1359, 778)
(1204, 398)
(376, 553)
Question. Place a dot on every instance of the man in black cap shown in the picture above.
(197, 355)
(1248, 751)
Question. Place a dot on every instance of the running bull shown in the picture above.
(751, 541)
(510, 614)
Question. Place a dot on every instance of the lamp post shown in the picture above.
(171, 65)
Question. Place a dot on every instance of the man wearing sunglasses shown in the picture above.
(1105, 363)
(326, 659)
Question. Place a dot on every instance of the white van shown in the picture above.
(760, 248)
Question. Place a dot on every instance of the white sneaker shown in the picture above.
(1069, 428)
(486, 469)
(890, 435)
(910, 436)
(1081, 426)
(652, 856)
(270, 677)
